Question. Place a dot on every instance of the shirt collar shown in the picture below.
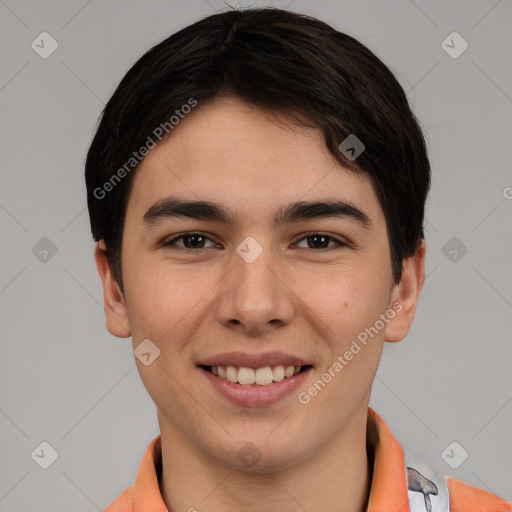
(388, 487)
(389, 482)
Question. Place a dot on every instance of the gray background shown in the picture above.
(65, 380)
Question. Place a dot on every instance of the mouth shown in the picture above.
(260, 376)
(254, 380)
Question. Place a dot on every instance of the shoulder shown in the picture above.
(464, 498)
(123, 503)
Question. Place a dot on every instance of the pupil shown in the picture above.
(318, 237)
(189, 237)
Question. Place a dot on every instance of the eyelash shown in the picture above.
(169, 243)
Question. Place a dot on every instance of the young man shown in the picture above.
(256, 187)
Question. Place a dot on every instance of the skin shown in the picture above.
(293, 298)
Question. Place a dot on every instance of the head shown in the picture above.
(245, 113)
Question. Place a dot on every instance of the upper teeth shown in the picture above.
(258, 376)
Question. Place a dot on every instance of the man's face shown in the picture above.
(253, 293)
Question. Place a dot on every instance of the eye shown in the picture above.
(193, 240)
(319, 241)
(190, 241)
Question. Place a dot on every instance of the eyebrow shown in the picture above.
(172, 207)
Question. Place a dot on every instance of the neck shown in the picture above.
(336, 478)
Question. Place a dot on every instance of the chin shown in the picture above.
(266, 463)
(259, 455)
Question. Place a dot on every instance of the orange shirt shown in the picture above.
(389, 492)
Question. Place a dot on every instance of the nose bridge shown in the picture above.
(255, 270)
(253, 293)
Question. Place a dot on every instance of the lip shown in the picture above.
(254, 360)
(256, 396)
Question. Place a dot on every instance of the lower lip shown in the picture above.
(256, 396)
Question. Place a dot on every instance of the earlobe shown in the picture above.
(406, 293)
(114, 303)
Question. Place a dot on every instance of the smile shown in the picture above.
(254, 380)
(262, 376)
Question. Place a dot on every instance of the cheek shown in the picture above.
(346, 300)
(161, 302)
(353, 331)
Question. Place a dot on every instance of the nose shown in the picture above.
(254, 296)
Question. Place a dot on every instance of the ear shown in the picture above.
(405, 295)
(114, 303)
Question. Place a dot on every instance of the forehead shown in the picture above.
(229, 152)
